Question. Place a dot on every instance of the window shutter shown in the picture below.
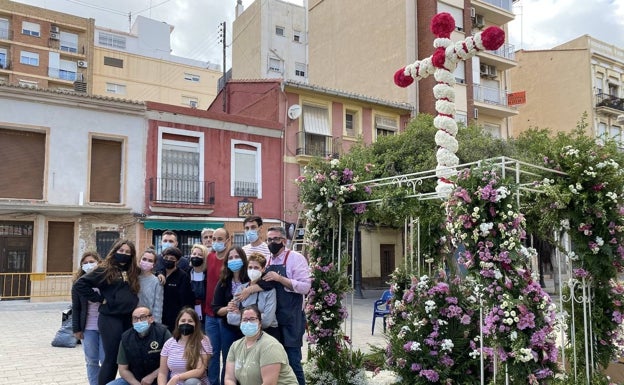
(105, 184)
(22, 164)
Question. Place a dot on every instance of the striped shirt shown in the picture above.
(261, 248)
(174, 351)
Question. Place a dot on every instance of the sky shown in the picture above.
(539, 24)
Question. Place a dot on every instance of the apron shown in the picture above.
(289, 310)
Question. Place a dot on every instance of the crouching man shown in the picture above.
(139, 349)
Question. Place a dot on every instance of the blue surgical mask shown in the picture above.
(235, 264)
(249, 329)
(166, 245)
(141, 326)
(251, 235)
(218, 246)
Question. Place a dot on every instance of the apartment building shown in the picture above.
(269, 40)
(139, 66)
(44, 49)
(357, 45)
(581, 76)
(71, 184)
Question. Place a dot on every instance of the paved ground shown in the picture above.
(27, 329)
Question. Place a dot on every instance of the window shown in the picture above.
(29, 58)
(68, 70)
(613, 88)
(113, 88)
(190, 101)
(246, 166)
(352, 123)
(279, 31)
(238, 239)
(181, 167)
(598, 83)
(26, 149)
(492, 129)
(275, 65)
(602, 132)
(385, 125)
(110, 40)
(614, 134)
(460, 72)
(315, 140)
(32, 29)
(191, 77)
(60, 247)
(300, 69)
(4, 29)
(3, 58)
(104, 241)
(297, 36)
(69, 42)
(106, 166)
(113, 62)
(461, 117)
(457, 13)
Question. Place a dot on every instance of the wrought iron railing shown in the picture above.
(184, 191)
(606, 100)
(245, 189)
(315, 145)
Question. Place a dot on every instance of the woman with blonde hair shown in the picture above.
(117, 281)
(185, 355)
(197, 275)
(85, 319)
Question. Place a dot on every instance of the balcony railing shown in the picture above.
(58, 73)
(181, 191)
(606, 100)
(245, 189)
(5, 34)
(314, 145)
(489, 95)
(504, 4)
(506, 51)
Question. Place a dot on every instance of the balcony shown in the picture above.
(311, 145)
(184, 192)
(496, 12)
(61, 74)
(503, 58)
(609, 104)
(245, 189)
(492, 101)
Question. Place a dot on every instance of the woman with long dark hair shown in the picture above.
(117, 281)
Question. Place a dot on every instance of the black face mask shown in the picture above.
(275, 247)
(169, 264)
(186, 329)
(197, 261)
(122, 258)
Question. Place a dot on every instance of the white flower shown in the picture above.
(599, 241)
(447, 344)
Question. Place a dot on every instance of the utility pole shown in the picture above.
(222, 36)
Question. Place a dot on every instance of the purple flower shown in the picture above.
(359, 208)
(430, 375)
(347, 175)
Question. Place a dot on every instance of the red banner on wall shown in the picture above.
(515, 98)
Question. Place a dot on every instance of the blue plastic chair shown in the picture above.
(381, 308)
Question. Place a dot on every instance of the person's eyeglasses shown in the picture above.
(274, 240)
(250, 319)
(141, 318)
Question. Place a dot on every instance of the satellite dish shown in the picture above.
(294, 111)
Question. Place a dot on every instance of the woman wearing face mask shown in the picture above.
(258, 358)
(85, 319)
(264, 300)
(184, 357)
(233, 276)
(197, 274)
(117, 279)
(151, 291)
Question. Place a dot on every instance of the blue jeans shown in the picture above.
(94, 354)
(214, 335)
(294, 360)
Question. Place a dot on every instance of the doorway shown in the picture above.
(15, 259)
(386, 261)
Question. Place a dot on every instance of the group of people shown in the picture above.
(170, 319)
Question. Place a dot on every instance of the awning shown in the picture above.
(316, 121)
(181, 225)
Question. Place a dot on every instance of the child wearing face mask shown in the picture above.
(85, 320)
(151, 291)
(264, 300)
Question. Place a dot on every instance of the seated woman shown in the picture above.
(257, 358)
(265, 300)
(186, 354)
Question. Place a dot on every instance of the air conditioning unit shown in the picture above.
(487, 70)
(473, 12)
(82, 64)
(55, 29)
(476, 113)
(54, 36)
(478, 21)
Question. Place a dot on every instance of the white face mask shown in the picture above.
(254, 274)
(88, 267)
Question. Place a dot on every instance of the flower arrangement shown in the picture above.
(326, 187)
(519, 315)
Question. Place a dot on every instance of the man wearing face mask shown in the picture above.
(178, 293)
(253, 226)
(288, 273)
(168, 239)
(139, 350)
